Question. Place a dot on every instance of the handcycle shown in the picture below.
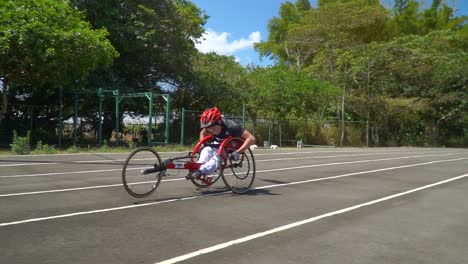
(144, 168)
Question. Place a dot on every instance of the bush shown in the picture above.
(44, 149)
(104, 147)
(132, 145)
(21, 145)
(457, 142)
(73, 149)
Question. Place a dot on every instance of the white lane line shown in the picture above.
(61, 190)
(80, 188)
(319, 157)
(25, 164)
(351, 162)
(59, 173)
(74, 154)
(123, 159)
(303, 222)
(340, 156)
(215, 194)
(117, 161)
(346, 150)
(368, 152)
(359, 173)
(179, 152)
(335, 151)
(183, 179)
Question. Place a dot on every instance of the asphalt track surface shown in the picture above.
(377, 205)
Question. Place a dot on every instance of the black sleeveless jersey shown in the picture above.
(229, 127)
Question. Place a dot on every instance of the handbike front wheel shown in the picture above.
(238, 175)
(135, 180)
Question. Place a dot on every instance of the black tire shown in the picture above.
(135, 182)
(239, 175)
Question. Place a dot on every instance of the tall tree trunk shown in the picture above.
(253, 116)
(433, 133)
(4, 108)
(375, 135)
(298, 63)
(367, 130)
(333, 80)
(331, 67)
(368, 95)
(343, 108)
(338, 124)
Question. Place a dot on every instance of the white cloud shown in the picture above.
(219, 43)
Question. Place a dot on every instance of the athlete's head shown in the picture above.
(210, 117)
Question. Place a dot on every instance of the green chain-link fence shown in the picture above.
(82, 127)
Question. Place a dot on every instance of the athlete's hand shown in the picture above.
(235, 156)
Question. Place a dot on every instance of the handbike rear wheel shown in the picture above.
(238, 175)
(135, 181)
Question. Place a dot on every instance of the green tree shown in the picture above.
(367, 67)
(216, 81)
(444, 82)
(280, 93)
(46, 44)
(338, 25)
(410, 18)
(289, 15)
(400, 5)
(424, 74)
(156, 42)
(155, 39)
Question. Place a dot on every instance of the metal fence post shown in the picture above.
(269, 134)
(168, 109)
(117, 101)
(75, 116)
(150, 123)
(182, 128)
(101, 99)
(279, 128)
(243, 115)
(60, 119)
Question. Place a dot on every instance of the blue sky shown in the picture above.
(234, 25)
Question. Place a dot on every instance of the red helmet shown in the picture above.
(210, 117)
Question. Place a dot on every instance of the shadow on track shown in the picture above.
(273, 181)
(259, 192)
(211, 192)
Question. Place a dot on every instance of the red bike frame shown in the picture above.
(193, 165)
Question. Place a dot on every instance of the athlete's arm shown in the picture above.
(249, 140)
(203, 134)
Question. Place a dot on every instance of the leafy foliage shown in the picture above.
(155, 40)
(45, 42)
(21, 145)
(216, 79)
